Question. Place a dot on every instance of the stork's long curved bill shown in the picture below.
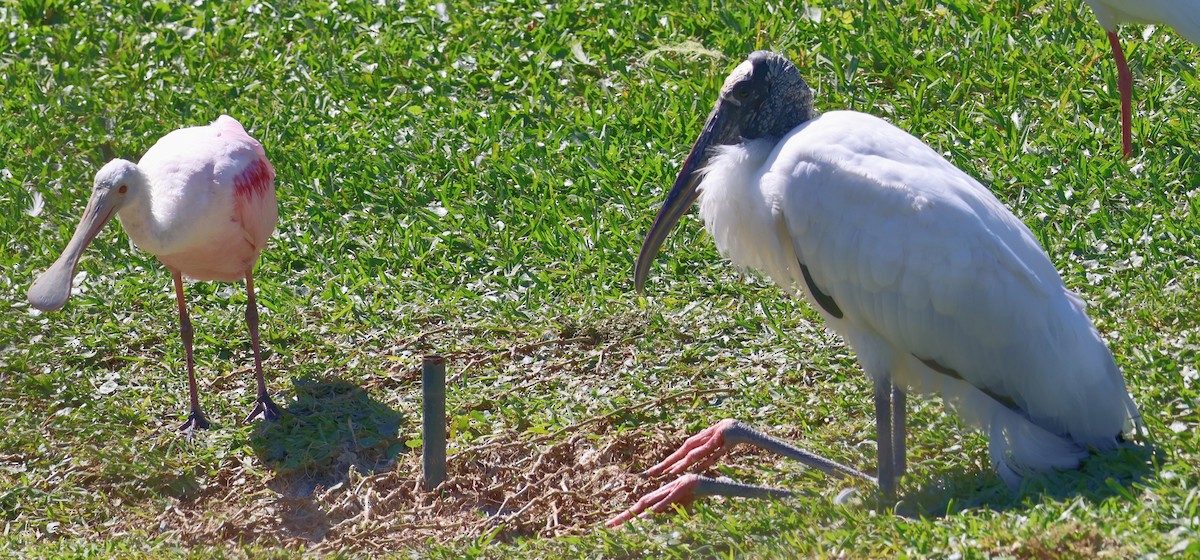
(51, 290)
(679, 200)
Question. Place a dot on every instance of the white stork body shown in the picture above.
(936, 286)
(1182, 15)
(924, 263)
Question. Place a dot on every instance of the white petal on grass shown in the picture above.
(440, 8)
(1189, 374)
(79, 283)
(437, 209)
(582, 57)
(36, 205)
(467, 64)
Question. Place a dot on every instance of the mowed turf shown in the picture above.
(474, 178)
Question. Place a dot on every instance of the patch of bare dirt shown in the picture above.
(509, 487)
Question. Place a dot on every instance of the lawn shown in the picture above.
(474, 179)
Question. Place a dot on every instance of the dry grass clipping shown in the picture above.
(508, 487)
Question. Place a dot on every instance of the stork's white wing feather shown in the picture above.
(920, 255)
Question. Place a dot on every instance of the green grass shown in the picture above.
(478, 184)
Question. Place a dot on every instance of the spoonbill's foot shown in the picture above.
(703, 448)
(265, 408)
(195, 421)
(680, 491)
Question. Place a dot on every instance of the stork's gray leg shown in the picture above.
(685, 489)
(703, 449)
(884, 438)
(741, 433)
(899, 427)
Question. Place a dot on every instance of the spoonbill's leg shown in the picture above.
(263, 405)
(1125, 86)
(196, 416)
(900, 419)
(704, 449)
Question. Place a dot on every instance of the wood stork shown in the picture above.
(929, 278)
(202, 200)
(1183, 15)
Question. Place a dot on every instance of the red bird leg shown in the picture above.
(263, 405)
(1125, 86)
(196, 416)
(899, 425)
(684, 490)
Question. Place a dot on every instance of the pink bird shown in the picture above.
(202, 200)
(1183, 15)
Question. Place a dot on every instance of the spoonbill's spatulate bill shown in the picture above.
(202, 200)
(1183, 15)
(929, 278)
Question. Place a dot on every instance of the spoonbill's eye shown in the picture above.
(122, 189)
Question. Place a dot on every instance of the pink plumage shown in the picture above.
(202, 200)
(255, 179)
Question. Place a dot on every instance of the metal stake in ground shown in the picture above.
(433, 422)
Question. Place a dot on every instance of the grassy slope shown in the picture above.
(475, 173)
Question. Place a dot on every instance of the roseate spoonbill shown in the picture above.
(202, 200)
(1183, 15)
(929, 278)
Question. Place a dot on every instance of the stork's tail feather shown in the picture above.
(1019, 448)
(1134, 427)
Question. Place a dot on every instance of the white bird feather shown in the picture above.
(924, 263)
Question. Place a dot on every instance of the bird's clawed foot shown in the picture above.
(703, 448)
(264, 408)
(195, 421)
(681, 492)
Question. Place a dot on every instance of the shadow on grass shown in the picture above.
(332, 428)
(1102, 476)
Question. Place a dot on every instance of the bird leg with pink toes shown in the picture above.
(896, 249)
(705, 448)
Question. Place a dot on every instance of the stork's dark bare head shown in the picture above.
(763, 97)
